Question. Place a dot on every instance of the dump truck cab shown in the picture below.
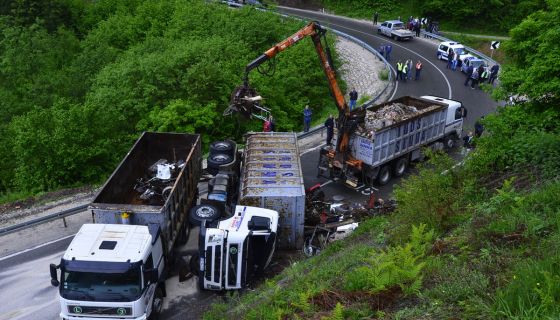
(233, 250)
(111, 271)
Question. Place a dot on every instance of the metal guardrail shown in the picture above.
(478, 53)
(41, 220)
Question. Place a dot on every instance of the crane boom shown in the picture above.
(245, 100)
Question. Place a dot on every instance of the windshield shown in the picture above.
(94, 286)
(459, 51)
(477, 63)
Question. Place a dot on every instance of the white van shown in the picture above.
(446, 46)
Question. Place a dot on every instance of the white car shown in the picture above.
(445, 47)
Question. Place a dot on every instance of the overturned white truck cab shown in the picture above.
(233, 250)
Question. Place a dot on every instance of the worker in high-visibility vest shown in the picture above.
(404, 71)
(399, 70)
(418, 70)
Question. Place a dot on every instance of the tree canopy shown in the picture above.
(77, 91)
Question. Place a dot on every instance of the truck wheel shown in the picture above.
(225, 147)
(384, 175)
(399, 39)
(203, 212)
(157, 304)
(439, 56)
(400, 167)
(378, 31)
(449, 142)
(216, 160)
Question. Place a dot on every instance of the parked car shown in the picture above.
(472, 61)
(446, 46)
(395, 29)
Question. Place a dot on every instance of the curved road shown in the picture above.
(26, 292)
(436, 79)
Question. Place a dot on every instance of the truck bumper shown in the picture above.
(67, 317)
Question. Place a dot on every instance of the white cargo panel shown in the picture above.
(272, 178)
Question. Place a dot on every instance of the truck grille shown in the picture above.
(109, 311)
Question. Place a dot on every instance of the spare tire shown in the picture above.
(225, 147)
(203, 212)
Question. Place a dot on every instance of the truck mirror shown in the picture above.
(54, 275)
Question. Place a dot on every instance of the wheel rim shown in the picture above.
(401, 167)
(450, 143)
(220, 146)
(205, 212)
(220, 158)
(384, 176)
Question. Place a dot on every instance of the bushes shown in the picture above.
(429, 197)
(397, 266)
(533, 293)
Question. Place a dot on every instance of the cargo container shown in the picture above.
(271, 178)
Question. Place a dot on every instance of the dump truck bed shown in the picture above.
(118, 195)
(397, 133)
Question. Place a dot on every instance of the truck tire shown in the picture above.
(214, 162)
(203, 212)
(157, 304)
(399, 38)
(378, 31)
(439, 56)
(225, 147)
(449, 142)
(384, 175)
(400, 167)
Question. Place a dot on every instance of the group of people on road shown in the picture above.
(480, 75)
(385, 51)
(404, 70)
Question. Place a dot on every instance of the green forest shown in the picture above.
(80, 80)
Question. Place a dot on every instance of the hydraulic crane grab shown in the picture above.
(245, 100)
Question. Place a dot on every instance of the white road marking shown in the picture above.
(35, 247)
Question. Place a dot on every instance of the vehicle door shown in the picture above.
(388, 30)
(443, 49)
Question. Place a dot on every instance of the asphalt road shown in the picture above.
(24, 279)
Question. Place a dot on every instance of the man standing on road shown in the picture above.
(469, 74)
(388, 49)
(375, 17)
(409, 69)
(417, 27)
(450, 58)
(382, 50)
(329, 124)
(418, 70)
(474, 78)
(404, 72)
(454, 63)
(493, 73)
(353, 98)
(307, 118)
(399, 70)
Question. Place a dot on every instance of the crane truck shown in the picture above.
(357, 158)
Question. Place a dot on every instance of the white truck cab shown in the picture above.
(456, 113)
(233, 250)
(111, 271)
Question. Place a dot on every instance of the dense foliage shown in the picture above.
(79, 80)
(490, 227)
(481, 15)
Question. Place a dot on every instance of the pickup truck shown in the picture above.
(395, 29)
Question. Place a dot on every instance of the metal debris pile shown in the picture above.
(386, 116)
(159, 180)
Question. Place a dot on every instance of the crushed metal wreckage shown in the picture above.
(386, 116)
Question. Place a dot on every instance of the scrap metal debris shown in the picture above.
(386, 116)
(159, 180)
